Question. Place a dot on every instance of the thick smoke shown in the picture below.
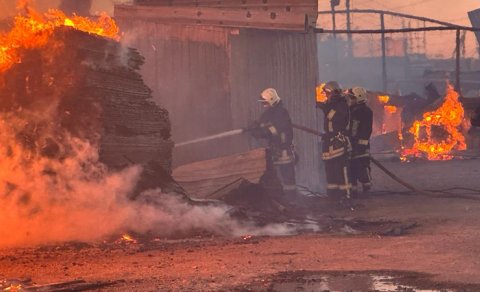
(53, 188)
(47, 200)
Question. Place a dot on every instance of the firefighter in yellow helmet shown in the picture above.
(361, 123)
(275, 126)
(335, 142)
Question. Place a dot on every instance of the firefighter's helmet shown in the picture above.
(269, 97)
(360, 94)
(332, 87)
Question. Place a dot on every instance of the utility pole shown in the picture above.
(334, 3)
(457, 63)
(349, 28)
(384, 53)
(425, 39)
(405, 41)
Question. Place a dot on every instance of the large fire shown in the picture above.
(439, 132)
(49, 163)
(33, 30)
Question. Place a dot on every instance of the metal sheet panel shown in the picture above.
(286, 61)
(475, 20)
(209, 79)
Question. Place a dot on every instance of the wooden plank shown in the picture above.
(271, 19)
(309, 7)
(205, 177)
(302, 6)
(230, 3)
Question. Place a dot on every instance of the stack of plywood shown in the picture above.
(91, 89)
(203, 179)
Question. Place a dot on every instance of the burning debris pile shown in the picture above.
(438, 129)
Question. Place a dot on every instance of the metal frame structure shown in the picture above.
(441, 26)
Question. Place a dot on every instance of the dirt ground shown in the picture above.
(444, 247)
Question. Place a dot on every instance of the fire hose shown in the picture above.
(432, 193)
(313, 132)
(374, 161)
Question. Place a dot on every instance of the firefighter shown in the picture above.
(360, 131)
(335, 142)
(275, 126)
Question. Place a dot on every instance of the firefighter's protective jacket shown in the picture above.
(275, 126)
(360, 129)
(336, 125)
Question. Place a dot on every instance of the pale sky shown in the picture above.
(438, 44)
(447, 10)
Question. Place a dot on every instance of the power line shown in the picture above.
(376, 11)
(399, 30)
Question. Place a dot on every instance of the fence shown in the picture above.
(400, 52)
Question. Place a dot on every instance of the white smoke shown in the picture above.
(169, 215)
(70, 195)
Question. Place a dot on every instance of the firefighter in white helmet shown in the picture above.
(360, 131)
(275, 126)
(335, 143)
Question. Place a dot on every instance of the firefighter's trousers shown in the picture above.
(286, 176)
(360, 173)
(338, 183)
(280, 174)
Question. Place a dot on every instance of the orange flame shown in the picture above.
(13, 288)
(391, 109)
(321, 96)
(127, 238)
(34, 30)
(449, 118)
(383, 98)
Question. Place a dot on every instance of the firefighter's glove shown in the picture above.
(320, 105)
(254, 129)
(252, 126)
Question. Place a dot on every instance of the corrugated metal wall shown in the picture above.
(187, 69)
(286, 61)
(475, 20)
(209, 79)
